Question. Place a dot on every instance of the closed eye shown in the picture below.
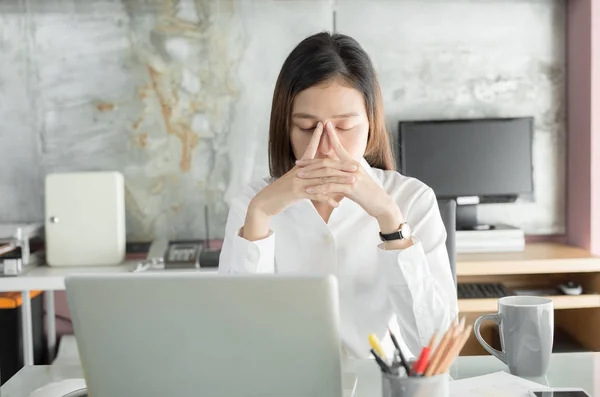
(310, 129)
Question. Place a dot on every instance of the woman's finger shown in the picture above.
(316, 164)
(335, 143)
(324, 180)
(313, 145)
(322, 172)
(329, 188)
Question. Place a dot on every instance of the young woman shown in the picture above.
(335, 205)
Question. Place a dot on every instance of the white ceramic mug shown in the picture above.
(526, 325)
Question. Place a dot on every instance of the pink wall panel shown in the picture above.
(595, 125)
(583, 96)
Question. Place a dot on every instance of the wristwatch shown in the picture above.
(401, 234)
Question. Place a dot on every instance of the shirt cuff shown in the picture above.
(405, 266)
(256, 256)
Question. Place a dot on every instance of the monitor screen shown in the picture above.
(458, 158)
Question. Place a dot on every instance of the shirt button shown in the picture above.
(328, 239)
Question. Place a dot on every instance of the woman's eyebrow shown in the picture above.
(311, 117)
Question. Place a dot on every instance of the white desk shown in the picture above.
(566, 370)
(48, 278)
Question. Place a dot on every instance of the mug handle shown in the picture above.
(495, 318)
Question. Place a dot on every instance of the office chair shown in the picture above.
(448, 213)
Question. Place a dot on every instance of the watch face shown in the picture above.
(405, 230)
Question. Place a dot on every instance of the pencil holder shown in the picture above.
(415, 386)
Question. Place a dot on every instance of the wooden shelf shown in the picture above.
(538, 258)
(540, 265)
(560, 302)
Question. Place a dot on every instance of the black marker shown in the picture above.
(402, 358)
(384, 367)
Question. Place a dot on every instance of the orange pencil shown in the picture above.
(443, 348)
(432, 341)
(437, 355)
(454, 351)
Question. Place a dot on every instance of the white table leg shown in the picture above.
(50, 324)
(26, 325)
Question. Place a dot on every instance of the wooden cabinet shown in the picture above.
(541, 265)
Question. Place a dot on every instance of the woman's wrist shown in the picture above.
(257, 223)
(390, 222)
(391, 219)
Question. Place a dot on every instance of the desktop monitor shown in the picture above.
(473, 161)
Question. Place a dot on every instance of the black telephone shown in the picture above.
(183, 254)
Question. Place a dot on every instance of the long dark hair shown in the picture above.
(319, 58)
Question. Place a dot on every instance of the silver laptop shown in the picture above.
(191, 334)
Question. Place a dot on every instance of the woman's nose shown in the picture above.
(324, 145)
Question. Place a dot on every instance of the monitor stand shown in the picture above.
(466, 218)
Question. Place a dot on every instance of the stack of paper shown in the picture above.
(501, 238)
(498, 384)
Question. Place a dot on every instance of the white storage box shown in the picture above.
(85, 219)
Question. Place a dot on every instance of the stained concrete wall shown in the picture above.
(176, 94)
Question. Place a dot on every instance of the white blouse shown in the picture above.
(411, 291)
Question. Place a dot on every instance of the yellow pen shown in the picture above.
(374, 342)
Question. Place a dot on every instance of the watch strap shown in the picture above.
(397, 235)
(391, 236)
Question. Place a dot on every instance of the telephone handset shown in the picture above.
(167, 255)
(183, 255)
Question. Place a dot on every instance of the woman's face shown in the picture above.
(343, 106)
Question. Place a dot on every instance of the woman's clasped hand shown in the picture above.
(340, 175)
(302, 181)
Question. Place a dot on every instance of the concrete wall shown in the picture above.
(176, 95)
